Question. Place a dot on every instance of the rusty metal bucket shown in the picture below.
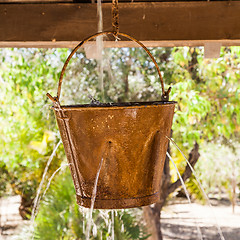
(129, 139)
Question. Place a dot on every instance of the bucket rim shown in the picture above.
(122, 105)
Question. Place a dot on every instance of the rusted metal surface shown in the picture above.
(165, 94)
(132, 141)
(129, 137)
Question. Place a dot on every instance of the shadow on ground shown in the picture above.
(181, 232)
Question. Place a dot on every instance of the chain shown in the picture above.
(115, 18)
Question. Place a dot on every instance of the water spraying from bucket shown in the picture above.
(53, 175)
(37, 198)
(186, 192)
(94, 193)
(99, 42)
(112, 214)
(200, 186)
(126, 126)
(44, 193)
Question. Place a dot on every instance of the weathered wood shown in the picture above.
(103, 1)
(36, 1)
(212, 50)
(118, 44)
(54, 24)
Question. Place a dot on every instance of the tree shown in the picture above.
(207, 98)
(59, 211)
(207, 92)
(27, 136)
(203, 88)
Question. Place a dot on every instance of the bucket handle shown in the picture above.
(165, 95)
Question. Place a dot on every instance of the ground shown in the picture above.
(179, 220)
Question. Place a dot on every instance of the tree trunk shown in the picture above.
(126, 87)
(152, 215)
(25, 209)
(192, 65)
(152, 218)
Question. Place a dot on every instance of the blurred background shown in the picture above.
(206, 124)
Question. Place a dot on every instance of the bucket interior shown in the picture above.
(122, 104)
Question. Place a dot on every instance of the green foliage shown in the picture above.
(27, 137)
(218, 167)
(207, 92)
(125, 73)
(57, 209)
(4, 179)
(194, 190)
(208, 108)
(60, 217)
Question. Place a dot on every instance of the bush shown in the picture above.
(60, 217)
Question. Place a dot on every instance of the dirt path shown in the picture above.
(179, 220)
(10, 220)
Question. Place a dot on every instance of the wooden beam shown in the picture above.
(62, 24)
(212, 50)
(118, 44)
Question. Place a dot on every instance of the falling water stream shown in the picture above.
(35, 210)
(94, 193)
(53, 175)
(109, 220)
(99, 42)
(186, 192)
(199, 184)
(38, 198)
(112, 214)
